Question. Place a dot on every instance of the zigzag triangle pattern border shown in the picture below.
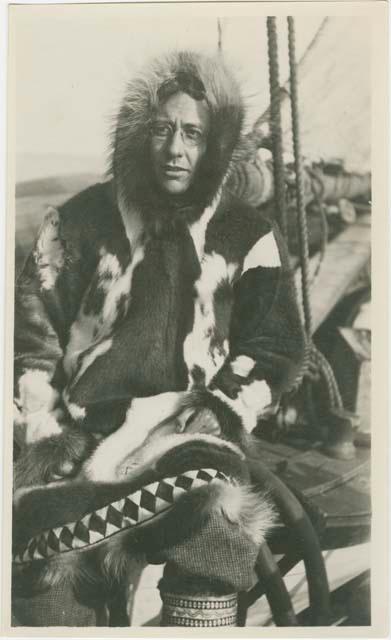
(130, 511)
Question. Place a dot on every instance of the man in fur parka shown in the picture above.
(155, 324)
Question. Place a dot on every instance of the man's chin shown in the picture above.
(174, 187)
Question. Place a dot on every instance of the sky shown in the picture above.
(71, 65)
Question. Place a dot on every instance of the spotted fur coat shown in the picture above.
(133, 306)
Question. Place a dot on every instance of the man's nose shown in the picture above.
(175, 145)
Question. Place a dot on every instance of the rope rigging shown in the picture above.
(316, 356)
(301, 213)
(275, 124)
(315, 364)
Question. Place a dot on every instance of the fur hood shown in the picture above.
(130, 163)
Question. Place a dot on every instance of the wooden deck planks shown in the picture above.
(345, 257)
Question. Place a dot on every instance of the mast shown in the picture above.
(219, 36)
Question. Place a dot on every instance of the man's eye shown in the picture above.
(160, 130)
(195, 135)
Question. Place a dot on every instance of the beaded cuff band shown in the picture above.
(199, 611)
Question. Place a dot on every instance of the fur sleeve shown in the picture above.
(41, 323)
(266, 335)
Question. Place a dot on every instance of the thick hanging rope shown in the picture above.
(317, 358)
(301, 212)
(275, 125)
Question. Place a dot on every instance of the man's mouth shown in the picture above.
(173, 171)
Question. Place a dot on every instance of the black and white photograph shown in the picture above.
(191, 191)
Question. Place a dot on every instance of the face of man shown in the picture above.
(178, 141)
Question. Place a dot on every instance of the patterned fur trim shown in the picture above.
(107, 533)
(124, 514)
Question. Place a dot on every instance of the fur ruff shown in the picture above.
(130, 162)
